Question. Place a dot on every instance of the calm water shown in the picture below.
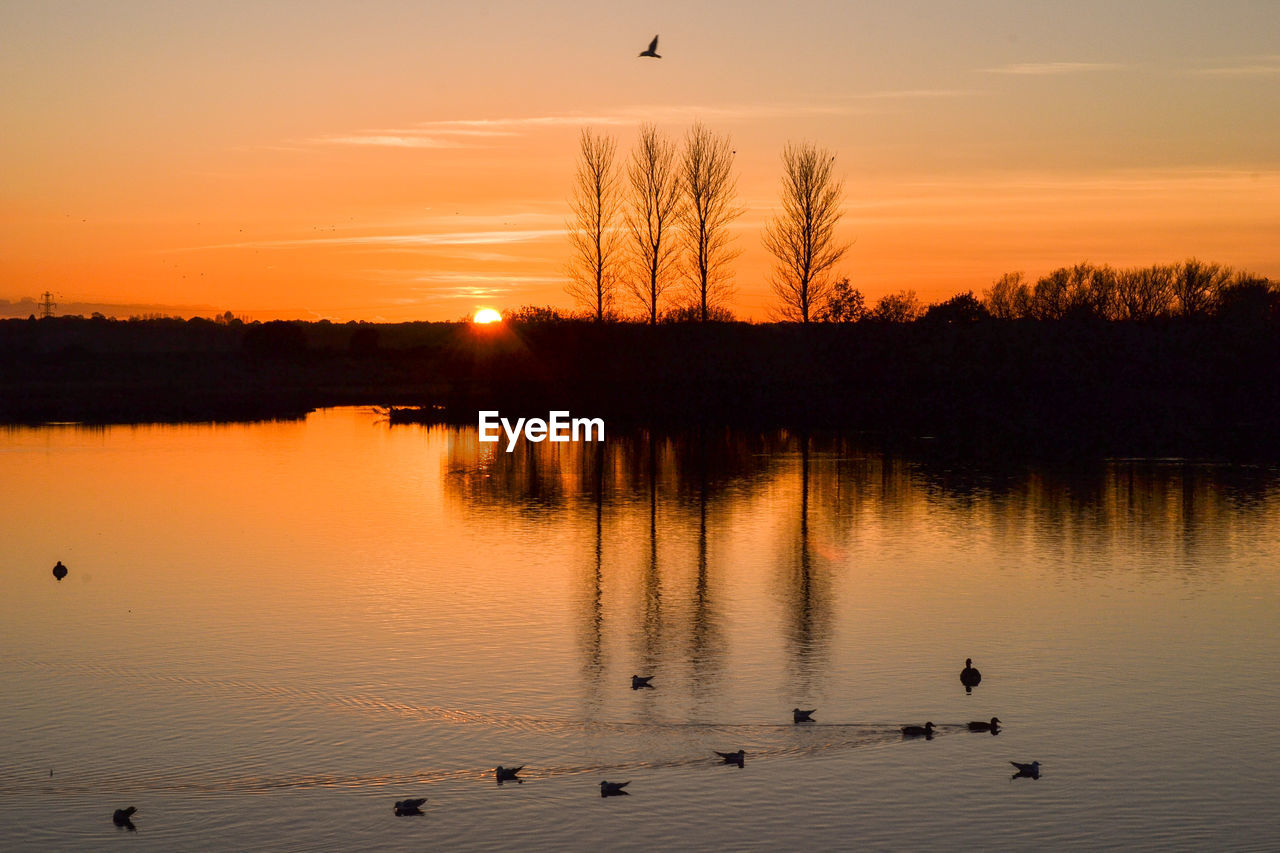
(270, 632)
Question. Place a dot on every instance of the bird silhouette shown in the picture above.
(409, 807)
(969, 676)
(638, 681)
(507, 774)
(59, 571)
(123, 817)
(652, 50)
(979, 726)
(916, 731)
(1026, 771)
(802, 716)
(738, 758)
(613, 789)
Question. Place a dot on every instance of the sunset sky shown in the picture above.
(412, 160)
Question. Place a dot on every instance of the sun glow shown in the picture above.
(487, 315)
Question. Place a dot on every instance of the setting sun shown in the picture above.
(487, 315)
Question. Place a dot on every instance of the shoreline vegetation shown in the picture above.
(1206, 383)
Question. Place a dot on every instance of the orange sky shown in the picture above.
(402, 160)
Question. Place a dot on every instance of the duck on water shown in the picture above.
(969, 676)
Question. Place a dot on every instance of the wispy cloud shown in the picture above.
(477, 285)
(458, 133)
(387, 139)
(1045, 69)
(1247, 66)
(394, 241)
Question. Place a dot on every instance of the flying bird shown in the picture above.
(638, 681)
(653, 49)
(1029, 771)
(122, 817)
(409, 807)
(916, 731)
(802, 716)
(613, 789)
(969, 676)
(979, 726)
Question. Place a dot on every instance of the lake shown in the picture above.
(270, 632)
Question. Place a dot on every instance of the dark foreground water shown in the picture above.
(271, 632)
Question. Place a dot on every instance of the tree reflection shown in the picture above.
(656, 578)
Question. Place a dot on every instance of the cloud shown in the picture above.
(394, 241)
(459, 133)
(1248, 66)
(1045, 69)
(389, 140)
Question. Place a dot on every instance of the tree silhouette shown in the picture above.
(651, 216)
(802, 237)
(1144, 293)
(845, 304)
(1009, 297)
(962, 309)
(1196, 286)
(902, 307)
(707, 189)
(593, 231)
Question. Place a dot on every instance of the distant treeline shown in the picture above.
(1204, 383)
(1191, 288)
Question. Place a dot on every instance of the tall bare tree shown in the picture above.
(651, 218)
(803, 236)
(594, 227)
(708, 207)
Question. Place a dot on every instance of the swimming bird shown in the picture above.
(59, 571)
(979, 726)
(652, 49)
(917, 731)
(1030, 771)
(613, 789)
(122, 817)
(969, 676)
(508, 774)
(738, 758)
(409, 807)
(801, 716)
(638, 681)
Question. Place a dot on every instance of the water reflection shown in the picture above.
(661, 511)
(806, 589)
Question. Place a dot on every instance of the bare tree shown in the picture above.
(1144, 293)
(651, 218)
(1196, 286)
(707, 189)
(803, 236)
(1009, 297)
(593, 227)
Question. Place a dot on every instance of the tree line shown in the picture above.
(652, 234)
(1192, 288)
